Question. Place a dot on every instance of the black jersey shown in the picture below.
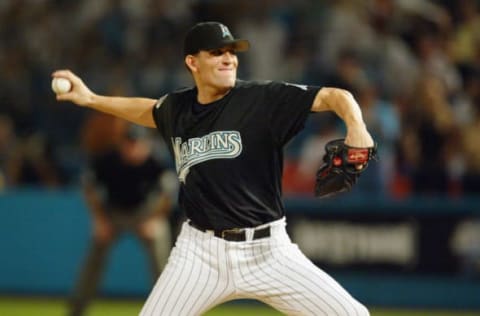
(229, 153)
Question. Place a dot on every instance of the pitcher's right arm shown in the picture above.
(133, 109)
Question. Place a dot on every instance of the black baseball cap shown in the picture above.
(211, 35)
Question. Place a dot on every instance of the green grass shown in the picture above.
(19, 306)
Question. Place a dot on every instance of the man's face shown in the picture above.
(216, 68)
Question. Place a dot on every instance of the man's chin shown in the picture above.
(228, 78)
(228, 83)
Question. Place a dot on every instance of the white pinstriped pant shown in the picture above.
(204, 271)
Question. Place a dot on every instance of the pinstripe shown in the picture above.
(209, 268)
(329, 283)
(252, 285)
(263, 254)
(156, 290)
(224, 270)
(340, 292)
(299, 285)
(280, 257)
(170, 270)
(212, 298)
(201, 263)
(251, 271)
(325, 278)
(293, 275)
(163, 289)
(269, 275)
(180, 272)
(227, 267)
(259, 271)
(191, 262)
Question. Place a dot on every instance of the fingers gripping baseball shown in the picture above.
(78, 93)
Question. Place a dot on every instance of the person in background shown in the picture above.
(126, 190)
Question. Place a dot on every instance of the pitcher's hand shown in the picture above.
(358, 136)
(79, 94)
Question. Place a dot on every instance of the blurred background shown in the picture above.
(407, 236)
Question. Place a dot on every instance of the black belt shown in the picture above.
(236, 234)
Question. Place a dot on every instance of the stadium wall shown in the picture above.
(408, 253)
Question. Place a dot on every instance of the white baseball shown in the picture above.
(61, 85)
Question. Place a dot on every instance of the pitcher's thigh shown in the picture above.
(186, 287)
(305, 289)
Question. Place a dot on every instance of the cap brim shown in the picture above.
(240, 45)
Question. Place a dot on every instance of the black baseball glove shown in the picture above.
(342, 166)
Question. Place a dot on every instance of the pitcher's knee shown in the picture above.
(361, 310)
(349, 308)
(354, 308)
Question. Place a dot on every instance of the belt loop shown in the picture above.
(249, 232)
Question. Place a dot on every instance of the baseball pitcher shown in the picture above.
(227, 138)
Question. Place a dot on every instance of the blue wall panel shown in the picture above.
(43, 241)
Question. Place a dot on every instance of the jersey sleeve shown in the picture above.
(288, 108)
(158, 113)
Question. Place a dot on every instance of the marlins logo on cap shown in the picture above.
(225, 31)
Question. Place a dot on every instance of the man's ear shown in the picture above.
(191, 63)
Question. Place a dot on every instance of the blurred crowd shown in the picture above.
(413, 66)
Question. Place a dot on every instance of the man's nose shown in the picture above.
(227, 57)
